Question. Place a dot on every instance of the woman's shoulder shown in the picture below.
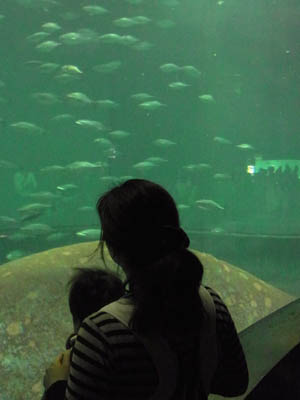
(104, 330)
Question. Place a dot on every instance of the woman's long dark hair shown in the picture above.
(140, 224)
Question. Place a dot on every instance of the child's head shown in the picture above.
(90, 290)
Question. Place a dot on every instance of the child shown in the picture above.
(90, 290)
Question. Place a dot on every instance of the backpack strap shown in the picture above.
(164, 359)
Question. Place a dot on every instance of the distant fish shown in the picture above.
(128, 40)
(191, 71)
(72, 38)
(141, 96)
(217, 230)
(107, 103)
(82, 36)
(169, 68)
(178, 85)
(79, 97)
(37, 37)
(245, 146)
(71, 69)
(203, 166)
(207, 98)
(87, 123)
(51, 27)
(27, 127)
(197, 167)
(62, 117)
(52, 168)
(91, 234)
(33, 210)
(141, 19)
(7, 221)
(207, 204)
(66, 187)
(77, 165)
(124, 22)
(151, 105)
(222, 140)
(111, 38)
(144, 165)
(163, 143)
(95, 10)
(47, 46)
(7, 165)
(157, 160)
(47, 68)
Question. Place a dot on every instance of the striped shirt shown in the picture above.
(109, 362)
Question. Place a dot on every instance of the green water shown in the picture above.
(219, 100)
(200, 97)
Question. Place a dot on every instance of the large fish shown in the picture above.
(36, 329)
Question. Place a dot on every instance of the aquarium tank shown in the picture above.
(200, 96)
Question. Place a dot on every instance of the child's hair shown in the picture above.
(91, 289)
